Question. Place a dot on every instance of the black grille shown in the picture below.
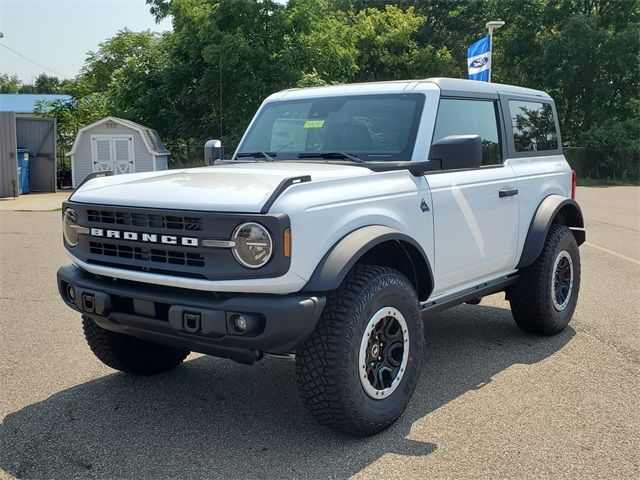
(179, 259)
(155, 254)
(153, 220)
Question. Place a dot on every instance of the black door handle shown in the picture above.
(509, 192)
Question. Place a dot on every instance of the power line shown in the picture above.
(32, 61)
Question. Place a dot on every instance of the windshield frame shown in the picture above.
(404, 155)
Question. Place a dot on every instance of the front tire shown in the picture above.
(130, 354)
(545, 297)
(358, 369)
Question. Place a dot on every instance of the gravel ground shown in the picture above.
(492, 402)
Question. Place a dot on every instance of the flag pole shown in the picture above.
(491, 26)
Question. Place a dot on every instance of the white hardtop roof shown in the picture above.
(445, 85)
(150, 137)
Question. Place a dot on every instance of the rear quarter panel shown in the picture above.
(538, 177)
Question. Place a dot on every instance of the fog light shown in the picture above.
(240, 323)
(244, 323)
(71, 293)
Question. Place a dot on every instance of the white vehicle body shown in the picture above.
(469, 234)
(346, 217)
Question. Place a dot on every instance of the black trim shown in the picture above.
(339, 260)
(466, 95)
(545, 216)
(284, 184)
(502, 134)
(486, 288)
(415, 167)
(92, 175)
(154, 313)
(512, 153)
(508, 192)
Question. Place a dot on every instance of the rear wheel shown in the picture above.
(358, 369)
(129, 354)
(545, 297)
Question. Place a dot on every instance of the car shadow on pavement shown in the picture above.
(214, 418)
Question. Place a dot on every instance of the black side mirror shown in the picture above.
(212, 151)
(457, 151)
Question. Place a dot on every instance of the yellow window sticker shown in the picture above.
(314, 124)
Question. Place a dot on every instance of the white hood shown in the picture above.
(244, 187)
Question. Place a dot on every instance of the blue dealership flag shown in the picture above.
(479, 59)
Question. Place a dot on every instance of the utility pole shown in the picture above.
(220, 85)
(491, 26)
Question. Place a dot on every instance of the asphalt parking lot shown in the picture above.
(492, 402)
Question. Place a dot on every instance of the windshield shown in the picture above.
(370, 127)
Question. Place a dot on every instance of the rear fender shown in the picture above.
(553, 209)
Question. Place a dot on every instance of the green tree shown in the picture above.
(47, 84)
(225, 56)
(9, 84)
(319, 43)
(100, 66)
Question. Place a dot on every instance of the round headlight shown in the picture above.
(70, 227)
(253, 245)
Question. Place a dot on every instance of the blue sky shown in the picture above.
(58, 33)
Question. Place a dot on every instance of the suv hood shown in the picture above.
(244, 187)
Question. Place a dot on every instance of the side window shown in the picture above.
(534, 128)
(470, 117)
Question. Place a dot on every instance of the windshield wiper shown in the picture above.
(268, 156)
(330, 155)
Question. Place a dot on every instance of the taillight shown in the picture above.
(574, 181)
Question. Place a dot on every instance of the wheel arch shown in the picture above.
(553, 209)
(375, 245)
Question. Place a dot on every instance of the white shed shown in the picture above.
(119, 145)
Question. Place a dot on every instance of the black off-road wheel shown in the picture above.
(129, 354)
(545, 297)
(358, 369)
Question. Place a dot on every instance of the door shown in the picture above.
(475, 211)
(121, 148)
(112, 153)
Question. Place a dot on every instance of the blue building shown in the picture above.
(26, 103)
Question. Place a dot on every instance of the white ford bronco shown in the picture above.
(346, 216)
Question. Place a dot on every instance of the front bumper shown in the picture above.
(192, 320)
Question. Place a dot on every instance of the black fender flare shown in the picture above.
(346, 252)
(553, 209)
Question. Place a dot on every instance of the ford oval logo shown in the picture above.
(479, 62)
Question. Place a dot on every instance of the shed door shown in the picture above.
(101, 154)
(122, 148)
(112, 153)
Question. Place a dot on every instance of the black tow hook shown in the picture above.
(85, 300)
(88, 303)
(191, 322)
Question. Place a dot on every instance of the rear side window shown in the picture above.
(470, 117)
(534, 126)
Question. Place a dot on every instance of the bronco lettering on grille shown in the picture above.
(145, 237)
